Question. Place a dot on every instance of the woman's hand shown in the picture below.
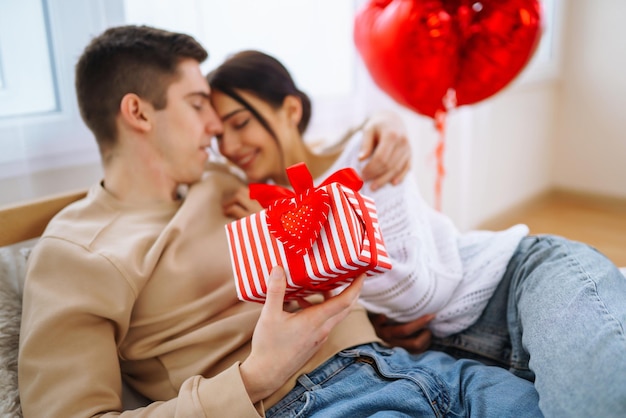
(413, 336)
(284, 341)
(239, 205)
(385, 143)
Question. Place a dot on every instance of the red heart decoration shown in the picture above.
(424, 52)
(297, 222)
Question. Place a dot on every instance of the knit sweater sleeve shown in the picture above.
(435, 268)
(426, 267)
(76, 310)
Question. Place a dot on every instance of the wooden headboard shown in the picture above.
(28, 220)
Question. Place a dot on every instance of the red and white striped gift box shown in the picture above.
(341, 251)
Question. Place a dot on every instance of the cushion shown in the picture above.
(12, 271)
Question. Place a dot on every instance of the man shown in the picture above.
(135, 282)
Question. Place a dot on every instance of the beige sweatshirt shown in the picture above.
(147, 293)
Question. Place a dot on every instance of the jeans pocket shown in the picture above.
(406, 372)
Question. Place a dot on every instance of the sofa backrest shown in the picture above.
(24, 221)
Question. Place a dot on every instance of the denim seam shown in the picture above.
(311, 390)
(387, 373)
(606, 310)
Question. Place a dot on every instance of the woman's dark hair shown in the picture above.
(265, 77)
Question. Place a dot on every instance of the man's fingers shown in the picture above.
(336, 308)
(303, 303)
(401, 158)
(389, 161)
(401, 331)
(379, 161)
(381, 180)
(393, 175)
(354, 289)
(235, 211)
(397, 179)
(276, 285)
(417, 344)
(410, 328)
(377, 319)
(367, 144)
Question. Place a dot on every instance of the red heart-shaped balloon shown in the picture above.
(297, 222)
(421, 51)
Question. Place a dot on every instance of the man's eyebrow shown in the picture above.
(202, 94)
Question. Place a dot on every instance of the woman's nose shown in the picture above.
(229, 145)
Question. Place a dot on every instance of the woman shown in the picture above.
(549, 309)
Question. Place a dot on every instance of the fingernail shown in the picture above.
(275, 273)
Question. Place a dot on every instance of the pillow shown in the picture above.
(12, 272)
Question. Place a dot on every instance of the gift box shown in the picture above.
(323, 236)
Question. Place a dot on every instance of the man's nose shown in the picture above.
(214, 124)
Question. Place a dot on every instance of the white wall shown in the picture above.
(17, 189)
(498, 152)
(564, 129)
(590, 142)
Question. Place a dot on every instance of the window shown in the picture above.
(21, 94)
(544, 65)
(40, 127)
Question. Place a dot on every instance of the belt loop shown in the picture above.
(306, 382)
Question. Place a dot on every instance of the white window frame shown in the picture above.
(20, 93)
(37, 141)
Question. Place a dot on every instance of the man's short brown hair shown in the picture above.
(128, 59)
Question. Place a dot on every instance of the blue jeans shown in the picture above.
(558, 319)
(373, 380)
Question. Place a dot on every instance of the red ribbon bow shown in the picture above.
(301, 180)
(296, 217)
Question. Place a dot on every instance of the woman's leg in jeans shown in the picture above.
(565, 314)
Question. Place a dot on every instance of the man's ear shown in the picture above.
(293, 107)
(135, 112)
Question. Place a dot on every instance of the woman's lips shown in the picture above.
(246, 160)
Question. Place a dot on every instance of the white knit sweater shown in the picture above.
(435, 268)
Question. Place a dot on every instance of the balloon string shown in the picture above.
(440, 125)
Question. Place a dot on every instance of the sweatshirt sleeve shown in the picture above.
(76, 310)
